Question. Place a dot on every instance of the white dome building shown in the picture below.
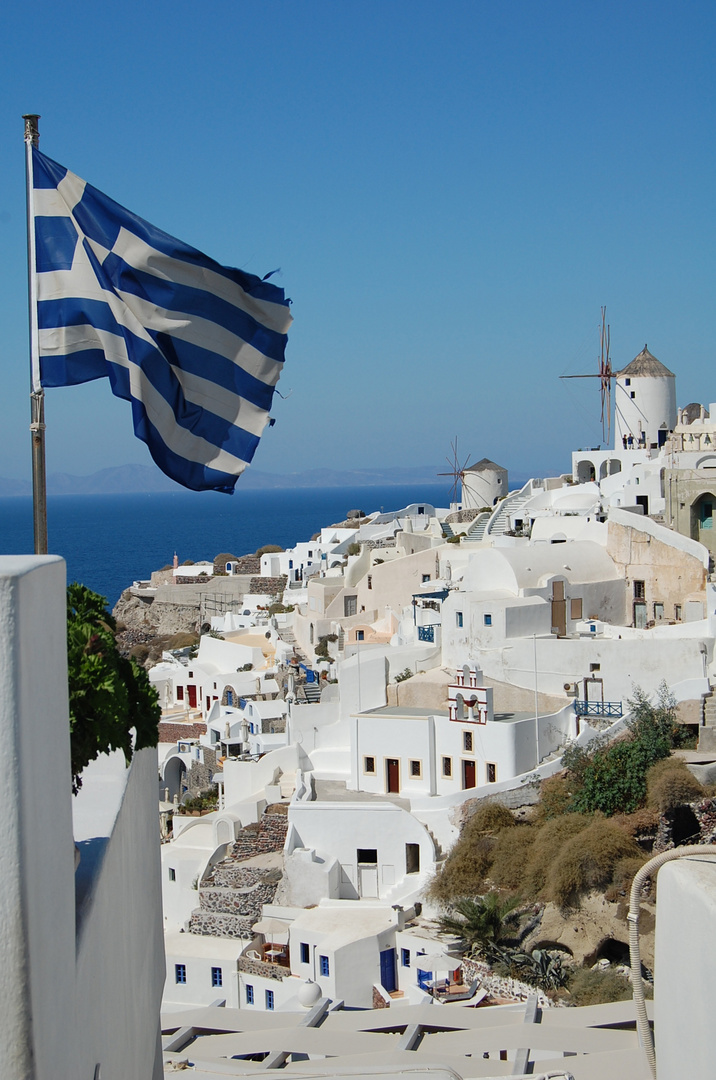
(644, 403)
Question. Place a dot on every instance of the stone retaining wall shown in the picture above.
(170, 732)
(260, 967)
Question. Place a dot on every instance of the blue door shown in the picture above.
(387, 970)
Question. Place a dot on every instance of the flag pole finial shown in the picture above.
(32, 131)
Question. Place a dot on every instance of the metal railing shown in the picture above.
(598, 708)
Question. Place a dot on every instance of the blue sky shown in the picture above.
(450, 190)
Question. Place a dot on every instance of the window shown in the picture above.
(447, 766)
(360, 635)
(632, 394)
(639, 590)
(627, 382)
(658, 612)
(491, 770)
(369, 765)
(180, 693)
(575, 606)
(305, 953)
(426, 577)
(269, 1000)
(677, 612)
(487, 620)
(249, 994)
(458, 620)
(467, 741)
(595, 667)
(325, 967)
(370, 581)
(367, 856)
(412, 858)
(172, 874)
(416, 768)
(405, 957)
(217, 977)
(180, 973)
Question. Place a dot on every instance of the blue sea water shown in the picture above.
(108, 541)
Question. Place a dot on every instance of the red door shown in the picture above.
(468, 774)
(392, 769)
(191, 691)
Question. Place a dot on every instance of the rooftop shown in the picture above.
(646, 364)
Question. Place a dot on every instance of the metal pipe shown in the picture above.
(650, 869)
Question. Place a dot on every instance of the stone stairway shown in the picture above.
(707, 733)
(477, 528)
(500, 520)
(312, 692)
(233, 894)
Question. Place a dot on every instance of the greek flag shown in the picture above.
(196, 347)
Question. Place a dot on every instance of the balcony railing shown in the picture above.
(599, 708)
(426, 633)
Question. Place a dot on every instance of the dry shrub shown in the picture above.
(624, 873)
(587, 861)
(670, 784)
(555, 795)
(547, 847)
(488, 819)
(643, 822)
(182, 640)
(464, 871)
(510, 855)
(590, 986)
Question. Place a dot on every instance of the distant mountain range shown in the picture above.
(130, 479)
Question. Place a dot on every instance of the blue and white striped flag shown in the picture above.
(196, 347)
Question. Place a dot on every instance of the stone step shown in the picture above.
(227, 901)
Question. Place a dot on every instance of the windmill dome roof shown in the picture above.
(485, 465)
(646, 364)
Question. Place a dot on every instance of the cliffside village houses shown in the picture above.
(340, 778)
(402, 675)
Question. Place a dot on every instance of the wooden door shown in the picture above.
(191, 690)
(468, 774)
(392, 775)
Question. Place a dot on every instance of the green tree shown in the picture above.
(612, 778)
(481, 922)
(109, 694)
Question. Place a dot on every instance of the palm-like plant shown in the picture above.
(480, 922)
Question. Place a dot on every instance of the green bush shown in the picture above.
(109, 694)
(555, 796)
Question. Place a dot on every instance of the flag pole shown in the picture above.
(37, 394)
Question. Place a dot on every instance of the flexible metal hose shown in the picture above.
(648, 870)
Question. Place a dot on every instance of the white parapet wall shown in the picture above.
(685, 969)
(80, 952)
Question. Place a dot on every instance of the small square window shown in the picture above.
(249, 994)
(595, 667)
(269, 1000)
(324, 966)
(369, 766)
(639, 590)
(487, 620)
(416, 768)
(458, 619)
(172, 874)
(405, 957)
(467, 741)
(360, 635)
(305, 953)
(627, 382)
(447, 766)
(180, 973)
(426, 577)
(217, 977)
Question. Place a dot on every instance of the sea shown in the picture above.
(109, 541)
